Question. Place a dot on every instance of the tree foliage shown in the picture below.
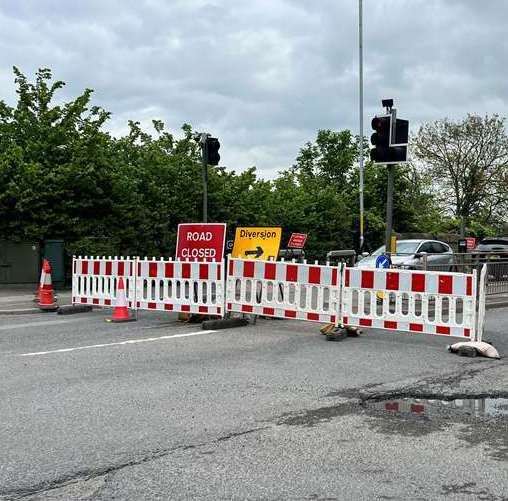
(62, 175)
(468, 164)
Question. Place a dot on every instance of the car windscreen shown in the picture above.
(402, 248)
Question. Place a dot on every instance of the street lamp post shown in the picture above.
(360, 54)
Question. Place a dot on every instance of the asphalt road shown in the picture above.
(162, 410)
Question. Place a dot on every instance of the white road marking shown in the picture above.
(130, 341)
(42, 322)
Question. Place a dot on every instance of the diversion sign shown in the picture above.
(257, 243)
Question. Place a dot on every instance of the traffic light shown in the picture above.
(212, 150)
(380, 139)
(390, 143)
(400, 133)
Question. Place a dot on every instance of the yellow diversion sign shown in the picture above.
(257, 243)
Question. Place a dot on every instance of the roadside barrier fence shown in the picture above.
(416, 301)
(413, 301)
(167, 285)
(283, 289)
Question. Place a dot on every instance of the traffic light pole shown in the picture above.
(390, 141)
(204, 165)
(389, 208)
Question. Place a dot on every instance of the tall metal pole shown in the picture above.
(360, 49)
(389, 207)
(204, 165)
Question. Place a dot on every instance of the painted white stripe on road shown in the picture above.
(120, 343)
(40, 323)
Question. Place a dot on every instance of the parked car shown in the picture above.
(492, 245)
(410, 255)
(494, 251)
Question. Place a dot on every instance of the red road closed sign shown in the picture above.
(201, 241)
(471, 243)
(297, 240)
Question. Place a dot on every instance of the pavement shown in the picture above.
(21, 301)
(157, 409)
(496, 301)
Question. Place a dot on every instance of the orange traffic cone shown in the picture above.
(120, 311)
(46, 296)
(41, 283)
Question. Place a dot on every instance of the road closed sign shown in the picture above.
(257, 243)
(201, 241)
(297, 240)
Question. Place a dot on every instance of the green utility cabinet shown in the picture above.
(19, 262)
(53, 251)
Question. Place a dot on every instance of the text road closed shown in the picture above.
(201, 241)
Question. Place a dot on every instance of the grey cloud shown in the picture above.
(263, 75)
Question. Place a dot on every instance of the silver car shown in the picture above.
(415, 254)
(492, 245)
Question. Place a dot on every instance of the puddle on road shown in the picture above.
(417, 417)
(476, 407)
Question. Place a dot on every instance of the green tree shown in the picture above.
(62, 175)
(467, 161)
(54, 162)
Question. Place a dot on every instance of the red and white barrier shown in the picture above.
(482, 288)
(283, 289)
(182, 286)
(407, 300)
(430, 302)
(95, 279)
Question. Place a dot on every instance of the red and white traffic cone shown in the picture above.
(121, 311)
(41, 283)
(47, 300)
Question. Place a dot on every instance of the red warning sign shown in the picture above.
(471, 243)
(201, 241)
(297, 240)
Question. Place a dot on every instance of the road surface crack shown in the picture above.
(430, 387)
(94, 473)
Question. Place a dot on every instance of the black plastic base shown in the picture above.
(72, 309)
(224, 323)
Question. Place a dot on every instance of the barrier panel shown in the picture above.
(482, 287)
(431, 302)
(182, 286)
(94, 279)
(283, 289)
(414, 301)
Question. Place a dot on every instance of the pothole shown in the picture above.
(433, 408)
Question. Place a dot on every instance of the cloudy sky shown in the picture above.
(263, 75)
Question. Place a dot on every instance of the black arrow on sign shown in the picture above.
(258, 252)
